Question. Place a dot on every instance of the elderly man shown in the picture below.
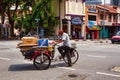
(64, 49)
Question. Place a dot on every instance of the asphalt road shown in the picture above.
(97, 61)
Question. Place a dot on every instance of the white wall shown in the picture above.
(73, 7)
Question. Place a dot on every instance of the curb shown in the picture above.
(91, 41)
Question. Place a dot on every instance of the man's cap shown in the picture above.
(60, 31)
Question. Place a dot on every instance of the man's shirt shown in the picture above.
(66, 40)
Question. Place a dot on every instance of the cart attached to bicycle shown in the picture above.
(41, 52)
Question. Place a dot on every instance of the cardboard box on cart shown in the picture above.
(28, 43)
(30, 40)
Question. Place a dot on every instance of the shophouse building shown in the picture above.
(103, 21)
(72, 16)
(92, 27)
(109, 23)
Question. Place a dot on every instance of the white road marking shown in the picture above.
(108, 74)
(26, 61)
(96, 56)
(1, 58)
(68, 68)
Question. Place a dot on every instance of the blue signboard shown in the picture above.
(90, 24)
(76, 21)
(92, 10)
(92, 2)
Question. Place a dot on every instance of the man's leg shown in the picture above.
(61, 49)
(67, 52)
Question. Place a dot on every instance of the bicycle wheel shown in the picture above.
(42, 61)
(74, 57)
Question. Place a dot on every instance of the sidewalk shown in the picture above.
(76, 41)
(92, 41)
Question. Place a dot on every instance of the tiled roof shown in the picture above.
(108, 7)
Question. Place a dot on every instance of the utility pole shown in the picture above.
(37, 24)
(103, 21)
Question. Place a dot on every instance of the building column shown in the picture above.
(60, 25)
(112, 18)
(83, 29)
(69, 27)
(0, 30)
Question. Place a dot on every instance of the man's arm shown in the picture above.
(59, 41)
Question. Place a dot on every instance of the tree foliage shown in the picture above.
(5, 10)
(42, 9)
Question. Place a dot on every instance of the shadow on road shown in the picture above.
(21, 67)
(30, 67)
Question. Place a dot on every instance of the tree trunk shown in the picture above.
(12, 27)
(2, 22)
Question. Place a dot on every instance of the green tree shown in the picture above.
(5, 10)
(44, 10)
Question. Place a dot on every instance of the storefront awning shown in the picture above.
(94, 28)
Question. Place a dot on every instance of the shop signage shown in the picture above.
(76, 21)
(37, 19)
(105, 23)
(91, 2)
(92, 10)
(92, 23)
(116, 24)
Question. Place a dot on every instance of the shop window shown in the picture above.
(64, 21)
(114, 18)
(119, 18)
(92, 17)
(110, 17)
(103, 16)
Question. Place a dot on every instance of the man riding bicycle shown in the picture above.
(64, 49)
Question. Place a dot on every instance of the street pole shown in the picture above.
(37, 24)
(104, 21)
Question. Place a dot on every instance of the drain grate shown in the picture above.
(116, 69)
(72, 75)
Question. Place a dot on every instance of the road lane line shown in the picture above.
(96, 56)
(66, 68)
(26, 61)
(108, 74)
(1, 58)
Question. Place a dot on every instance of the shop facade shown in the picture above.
(75, 15)
(92, 26)
(74, 26)
(71, 15)
(102, 21)
(108, 20)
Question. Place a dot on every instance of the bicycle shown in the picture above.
(43, 60)
(74, 56)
